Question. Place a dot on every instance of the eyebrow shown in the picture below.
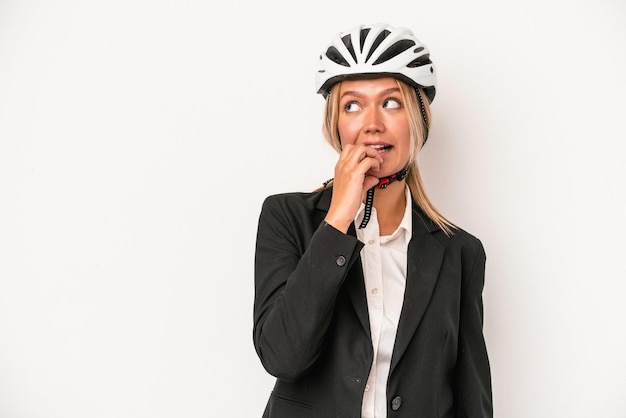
(382, 93)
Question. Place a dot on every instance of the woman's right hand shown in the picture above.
(353, 177)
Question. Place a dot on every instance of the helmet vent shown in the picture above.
(381, 37)
(364, 33)
(418, 62)
(347, 41)
(334, 55)
(394, 50)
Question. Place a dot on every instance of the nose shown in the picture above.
(373, 122)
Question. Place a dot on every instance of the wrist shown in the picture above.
(339, 224)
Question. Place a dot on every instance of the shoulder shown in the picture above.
(467, 246)
(462, 237)
(458, 239)
(296, 210)
(293, 216)
(297, 202)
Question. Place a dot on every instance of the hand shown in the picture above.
(352, 180)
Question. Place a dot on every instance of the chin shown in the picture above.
(389, 171)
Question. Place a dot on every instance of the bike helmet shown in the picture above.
(378, 50)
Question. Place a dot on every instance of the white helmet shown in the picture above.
(379, 50)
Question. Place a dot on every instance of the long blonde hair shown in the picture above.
(418, 134)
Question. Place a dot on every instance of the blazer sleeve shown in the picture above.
(473, 377)
(298, 275)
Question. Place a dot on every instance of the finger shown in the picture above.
(361, 153)
(357, 170)
(367, 165)
(369, 182)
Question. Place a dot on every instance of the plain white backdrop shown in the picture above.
(139, 138)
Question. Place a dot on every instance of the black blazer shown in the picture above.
(311, 325)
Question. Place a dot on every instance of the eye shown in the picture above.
(391, 104)
(351, 107)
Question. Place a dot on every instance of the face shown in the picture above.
(371, 112)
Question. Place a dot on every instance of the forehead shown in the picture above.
(368, 86)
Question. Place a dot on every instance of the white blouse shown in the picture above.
(384, 261)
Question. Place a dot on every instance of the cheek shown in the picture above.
(404, 135)
(407, 138)
(347, 132)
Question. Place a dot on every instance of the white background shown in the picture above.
(139, 138)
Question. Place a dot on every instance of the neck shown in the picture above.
(390, 204)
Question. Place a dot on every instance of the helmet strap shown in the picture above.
(423, 109)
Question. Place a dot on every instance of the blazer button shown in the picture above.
(395, 404)
(341, 261)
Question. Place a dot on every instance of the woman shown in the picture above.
(368, 302)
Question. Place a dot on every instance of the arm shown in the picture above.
(296, 288)
(472, 374)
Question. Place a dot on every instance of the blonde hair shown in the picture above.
(418, 134)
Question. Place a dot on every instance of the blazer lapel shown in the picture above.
(424, 258)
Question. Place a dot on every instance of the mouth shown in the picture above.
(380, 147)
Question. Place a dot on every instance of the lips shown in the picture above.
(380, 147)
